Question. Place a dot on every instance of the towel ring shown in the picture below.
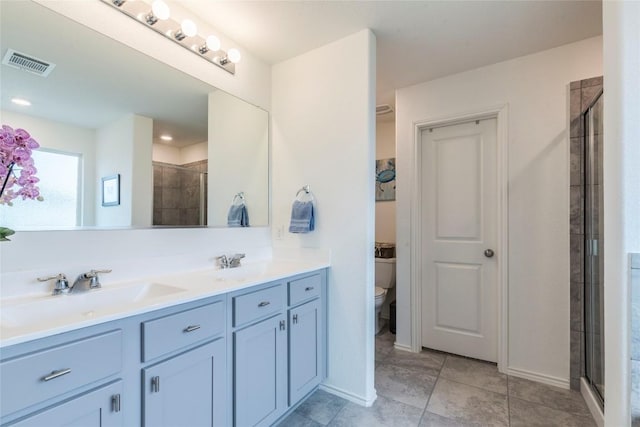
(240, 196)
(307, 191)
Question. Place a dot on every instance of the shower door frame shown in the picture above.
(592, 247)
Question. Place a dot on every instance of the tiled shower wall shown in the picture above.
(176, 193)
(581, 94)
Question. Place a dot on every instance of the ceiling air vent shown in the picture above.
(26, 62)
(383, 109)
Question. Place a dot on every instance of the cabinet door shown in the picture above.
(305, 349)
(187, 390)
(98, 408)
(260, 373)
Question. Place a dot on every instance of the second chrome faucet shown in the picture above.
(232, 261)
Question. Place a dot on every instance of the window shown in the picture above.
(59, 184)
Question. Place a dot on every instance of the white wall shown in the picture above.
(195, 152)
(238, 158)
(166, 154)
(124, 147)
(323, 135)
(621, 196)
(535, 87)
(66, 138)
(180, 155)
(142, 172)
(385, 211)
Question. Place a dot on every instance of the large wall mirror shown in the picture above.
(178, 151)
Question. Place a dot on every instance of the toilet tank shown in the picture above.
(385, 272)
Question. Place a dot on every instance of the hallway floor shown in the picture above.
(438, 389)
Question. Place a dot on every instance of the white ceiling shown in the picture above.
(417, 41)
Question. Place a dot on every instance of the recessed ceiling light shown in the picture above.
(166, 137)
(20, 101)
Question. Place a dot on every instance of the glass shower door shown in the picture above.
(594, 245)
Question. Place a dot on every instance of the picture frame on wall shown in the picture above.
(386, 180)
(111, 190)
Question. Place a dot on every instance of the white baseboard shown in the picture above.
(359, 400)
(592, 403)
(541, 378)
(402, 347)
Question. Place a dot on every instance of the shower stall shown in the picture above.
(180, 194)
(593, 247)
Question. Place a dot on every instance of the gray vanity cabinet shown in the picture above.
(260, 355)
(188, 389)
(305, 349)
(96, 408)
(243, 358)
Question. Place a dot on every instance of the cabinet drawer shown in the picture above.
(258, 304)
(175, 331)
(304, 289)
(39, 376)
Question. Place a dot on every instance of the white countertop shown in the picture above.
(31, 317)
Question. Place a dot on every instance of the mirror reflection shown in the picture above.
(183, 149)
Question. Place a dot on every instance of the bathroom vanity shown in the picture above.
(233, 347)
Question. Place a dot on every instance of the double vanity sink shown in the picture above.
(37, 315)
(253, 338)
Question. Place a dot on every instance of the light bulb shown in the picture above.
(234, 55)
(21, 102)
(160, 9)
(189, 28)
(213, 43)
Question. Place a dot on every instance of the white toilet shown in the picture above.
(385, 279)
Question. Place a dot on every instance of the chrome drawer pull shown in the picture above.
(308, 288)
(55, 374)
(264, 304)
(191, 328)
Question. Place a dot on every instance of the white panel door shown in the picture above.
(459, 208)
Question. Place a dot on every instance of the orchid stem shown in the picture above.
(6, 179)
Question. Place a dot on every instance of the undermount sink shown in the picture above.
(46, 309)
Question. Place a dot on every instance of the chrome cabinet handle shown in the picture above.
(155, 384)
(488, 253)
(55, 374)
(115, 402)
(282, 325)
(264, 304)
(295, 319)
(308, 288)
(191, 328)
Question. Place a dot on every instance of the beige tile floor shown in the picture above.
(437, 389)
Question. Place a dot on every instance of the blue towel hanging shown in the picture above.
(302, 217)
(238, 216)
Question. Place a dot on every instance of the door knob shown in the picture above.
(488, 253)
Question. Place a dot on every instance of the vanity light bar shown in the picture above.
(154, 18)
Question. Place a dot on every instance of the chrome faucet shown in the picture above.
(232, 261)
(61, 286)
(87, 281)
